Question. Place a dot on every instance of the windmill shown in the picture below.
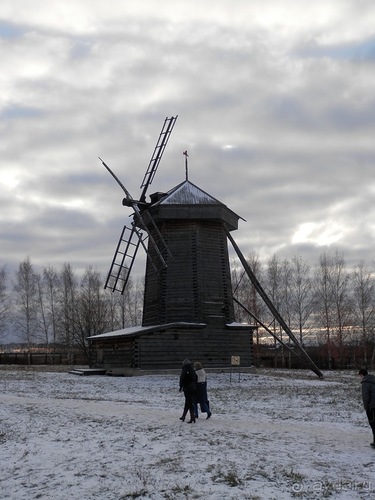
(188, 301)
(131, 238)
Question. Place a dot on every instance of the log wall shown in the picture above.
(167, 349)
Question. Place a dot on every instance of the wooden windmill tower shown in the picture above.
(188, 303)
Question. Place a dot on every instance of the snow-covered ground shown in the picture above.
(274, 434)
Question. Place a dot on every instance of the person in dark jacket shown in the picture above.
(368, 396)
(188, 384)
(202, 398)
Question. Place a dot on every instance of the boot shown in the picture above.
(208, 410)
(192, 417)
(183, 416)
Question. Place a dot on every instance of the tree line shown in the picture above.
(58, 307)
(326, 305)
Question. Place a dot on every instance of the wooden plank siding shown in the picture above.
(212, 348)
(197, 275)
(114, 354)
(167, 349)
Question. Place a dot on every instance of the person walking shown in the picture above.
(188, 384)
(368, 397)
(202, 398)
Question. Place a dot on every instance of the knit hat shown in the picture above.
(363, 372)
(186, 362)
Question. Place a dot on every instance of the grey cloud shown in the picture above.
(279, 133)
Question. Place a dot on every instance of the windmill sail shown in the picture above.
(123, 260)
(130, 239)
(157, 154)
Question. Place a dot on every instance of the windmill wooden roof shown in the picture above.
(188, 193)
(188, 201)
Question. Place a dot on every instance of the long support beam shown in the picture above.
(268, 330)
(271, 307)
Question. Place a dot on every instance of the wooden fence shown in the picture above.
(42, 358)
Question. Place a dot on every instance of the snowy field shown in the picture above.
(274, 434)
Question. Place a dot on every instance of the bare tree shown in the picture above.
(67, 307)
(5, 304)
(91, 310)
(130, 304)
(342, 301)
(286, 306)
(274, 287)
(42, 313)
(48, 289)
(274, 281)
(246, 294)
(302, 296)
(240, 286)
(333, 302)
(324, 301)
(25, 288)
(52, 285)
(112, 304)
(364, 305)
(136, 303)
(253, 300)
(286, 272)
(244, 290)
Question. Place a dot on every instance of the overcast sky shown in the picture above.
(276, 109)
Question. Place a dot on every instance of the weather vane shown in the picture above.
(185, 153)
